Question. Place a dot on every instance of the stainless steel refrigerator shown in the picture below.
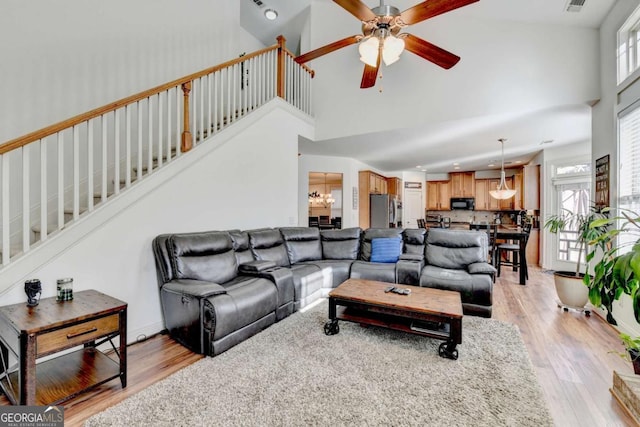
(383, 211)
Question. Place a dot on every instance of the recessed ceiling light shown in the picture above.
(418, 167)
(423, 170)
(518, 161)
(491, 165)
(270, 14)
(456, 167)
(456, 164)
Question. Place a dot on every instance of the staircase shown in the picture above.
(53, 178)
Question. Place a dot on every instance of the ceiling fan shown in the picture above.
(381, 39)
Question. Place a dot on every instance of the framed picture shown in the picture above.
(602, 182)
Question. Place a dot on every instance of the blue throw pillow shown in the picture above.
(386, 249)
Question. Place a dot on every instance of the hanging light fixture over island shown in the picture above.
(502, 192)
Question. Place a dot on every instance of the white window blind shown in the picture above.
(629, 166)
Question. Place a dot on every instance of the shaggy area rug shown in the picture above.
(292, 374)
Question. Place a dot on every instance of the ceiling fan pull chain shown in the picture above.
(380, 85)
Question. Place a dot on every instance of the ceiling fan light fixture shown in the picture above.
(392, 49)
(369, 51)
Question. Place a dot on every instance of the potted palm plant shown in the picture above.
(570, 285)
(617, 271)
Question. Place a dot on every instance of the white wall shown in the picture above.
(604, 127)
(249, 182)
(506, 67)
(66, 57)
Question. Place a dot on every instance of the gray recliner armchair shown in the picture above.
(456, 260)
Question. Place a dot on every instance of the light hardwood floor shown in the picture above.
(571, 354)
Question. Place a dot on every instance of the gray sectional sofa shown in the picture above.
(218, 288)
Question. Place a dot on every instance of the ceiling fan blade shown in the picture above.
(430, 52)
(430, 8)
(357, 9)
(347, 41)
(369, 75)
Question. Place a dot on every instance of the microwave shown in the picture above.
(463, 203)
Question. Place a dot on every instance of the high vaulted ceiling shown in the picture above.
(436, 145)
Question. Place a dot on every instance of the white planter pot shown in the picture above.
(571, 290)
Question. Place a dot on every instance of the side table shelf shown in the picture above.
(29, 333)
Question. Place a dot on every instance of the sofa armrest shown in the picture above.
(481, 268)
(255, 266)
(282, 278)
(408, 270)
(195, 288)
(412, 257)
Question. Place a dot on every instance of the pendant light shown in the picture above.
(502, 192)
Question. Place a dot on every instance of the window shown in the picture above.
(628, 46)
(629, 166)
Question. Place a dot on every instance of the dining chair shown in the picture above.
(492, 235)
(508, 253)
(313, 221)
(421, 223)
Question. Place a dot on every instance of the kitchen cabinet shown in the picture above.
(377, 183)
(394, 187)
(484, 201)
(369, 183)
(462, 184)
(438, 196)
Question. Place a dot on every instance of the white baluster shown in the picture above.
(209, 108)
(160, 149)
(201, 84)
(43, 190)
(105, 167)
(221, 118)
(229, 95)
(139, 125)
(178, 95)
(90, 161)
(116, 153)
(150, 134)
(6, 232)
(60, 180)
(26, 200)
(76, 172)
(216, 94)
(127, 159)
(193, 99)
(168, 97)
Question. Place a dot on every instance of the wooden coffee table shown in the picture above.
(430, 312)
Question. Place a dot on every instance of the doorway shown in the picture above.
(325, 200)
(412, 207)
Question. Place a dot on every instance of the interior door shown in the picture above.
(412, 208)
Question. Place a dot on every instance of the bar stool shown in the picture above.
(512, 250)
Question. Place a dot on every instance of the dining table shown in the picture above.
(515, 233)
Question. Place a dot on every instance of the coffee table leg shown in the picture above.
(448, 350)
(331, 326)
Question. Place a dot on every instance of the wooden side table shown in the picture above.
(29, 333)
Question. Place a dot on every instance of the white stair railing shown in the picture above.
(53, 176)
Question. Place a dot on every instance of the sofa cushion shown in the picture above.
(473, 288)
(375, 233)
(414, 239)
(455, 248)
(386, 249)
(241, 246)
(205, 256)
(382, 272)
(267, 245)
(341, 244)
(334, 271)
(302, 243)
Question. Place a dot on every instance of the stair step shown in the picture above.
(154, 163)
(13, 251)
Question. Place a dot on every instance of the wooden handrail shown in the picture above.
(73, 121)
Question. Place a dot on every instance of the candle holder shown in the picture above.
(33, 289)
